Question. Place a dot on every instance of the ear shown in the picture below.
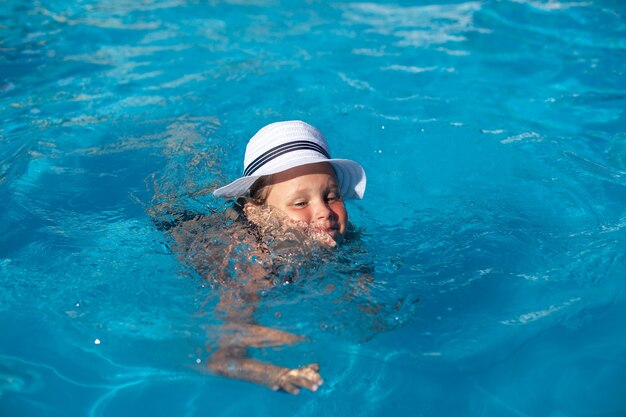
(249, 206)
(252, 211)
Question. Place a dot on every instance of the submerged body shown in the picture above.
(291, 193)
(303, 210)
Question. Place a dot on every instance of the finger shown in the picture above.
(314, 366)
(290, 388)
(311, 384)
(306, 378)
(309, 374)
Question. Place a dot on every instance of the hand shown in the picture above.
(292, 379)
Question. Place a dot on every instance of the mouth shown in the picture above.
(333, 231)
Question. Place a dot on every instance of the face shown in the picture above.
(310, 194)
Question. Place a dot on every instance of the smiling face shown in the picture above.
(310, 194)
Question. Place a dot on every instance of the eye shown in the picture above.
(332, 197)
(300, 204)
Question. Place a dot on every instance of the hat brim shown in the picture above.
(350, 175)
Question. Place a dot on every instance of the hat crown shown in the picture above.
(270, 139)
(280, 146)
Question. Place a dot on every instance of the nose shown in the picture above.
(323, 212)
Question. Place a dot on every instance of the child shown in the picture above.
(287, 166)
(290, 189)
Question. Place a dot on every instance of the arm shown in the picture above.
(210, 252)
(237, 365)
(240, 333)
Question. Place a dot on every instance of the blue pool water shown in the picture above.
(494, 138)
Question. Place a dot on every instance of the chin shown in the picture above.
(337, 236)
(328, 238)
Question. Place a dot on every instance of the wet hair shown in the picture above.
(259, 191)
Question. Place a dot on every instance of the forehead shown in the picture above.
(320, 170)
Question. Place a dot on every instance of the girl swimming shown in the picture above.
(291, 190)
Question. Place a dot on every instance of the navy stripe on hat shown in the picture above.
(279, 150)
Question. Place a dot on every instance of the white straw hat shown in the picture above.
(280, 146)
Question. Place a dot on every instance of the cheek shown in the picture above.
(300, 215)
(342, 214)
